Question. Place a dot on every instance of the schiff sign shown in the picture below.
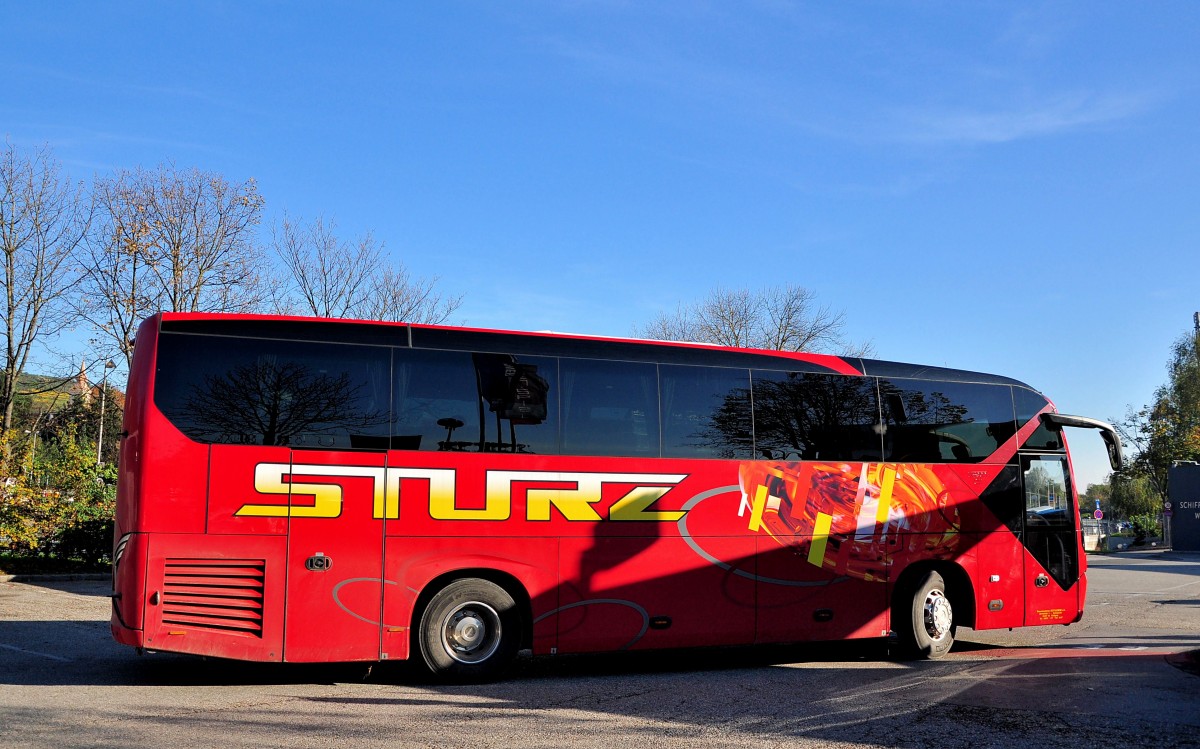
(1183, 488)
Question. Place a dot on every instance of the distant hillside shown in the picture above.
(58, 392)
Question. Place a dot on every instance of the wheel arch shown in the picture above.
(513, 586)
(959, 588)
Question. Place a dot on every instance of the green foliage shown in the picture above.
(71, 519)
(1130, 496)
(29, 518)
(1144, 525)
(1094, 493)
(1168, 429)
(79, 422)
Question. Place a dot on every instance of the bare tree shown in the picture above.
(202, 231)
(397, 297)
(677, 326)
(780, 318)
(170, 240)
(731, 318)
(794, 322)
(119, 287)
(329, 277)
(335, 278)
(44, 219)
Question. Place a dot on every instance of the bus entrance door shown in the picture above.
(1051, 541)
(335, 556)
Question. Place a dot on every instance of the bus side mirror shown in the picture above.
(1112, 441)
(1113, 444)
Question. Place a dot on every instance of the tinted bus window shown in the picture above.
(461, 402)
(806, 416)
(609, 408)
(520, 395)
(945, 422)
(259, 392)
(705, 412)
(1029, 404)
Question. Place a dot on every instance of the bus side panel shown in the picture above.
(799, 599)
(683, 579)
(640, 540)
(997, 575)
(1045, 600)
(412, 563)
(244, 499)
(137, 397)
(173, 495)
(335, 555)
(648, 592)
(213, 595)
(1081, 586)
(129, 585)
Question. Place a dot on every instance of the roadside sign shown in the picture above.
(1099, 515)
(1183, 483)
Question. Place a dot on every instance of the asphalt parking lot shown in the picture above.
(1117, 678)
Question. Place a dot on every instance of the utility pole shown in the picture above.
(103, 395)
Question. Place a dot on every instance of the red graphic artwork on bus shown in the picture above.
(855, 519)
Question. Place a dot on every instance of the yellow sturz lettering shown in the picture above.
(635, 504)
(441, 495)
(443, 505)
(575, 502)
(268, 479)
(327, 498)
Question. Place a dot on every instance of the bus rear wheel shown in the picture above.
(470, 631)
(924, 618)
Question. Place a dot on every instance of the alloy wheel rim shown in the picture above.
(471, 632)
(938, 615)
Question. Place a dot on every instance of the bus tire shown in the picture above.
(470, 631)
(924, 618)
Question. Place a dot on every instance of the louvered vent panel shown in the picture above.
(217, 594)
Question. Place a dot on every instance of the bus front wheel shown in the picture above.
(924, 618)
(470, 631)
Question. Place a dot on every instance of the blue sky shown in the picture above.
(1000, 186)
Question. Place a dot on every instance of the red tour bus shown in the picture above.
(309, 490)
